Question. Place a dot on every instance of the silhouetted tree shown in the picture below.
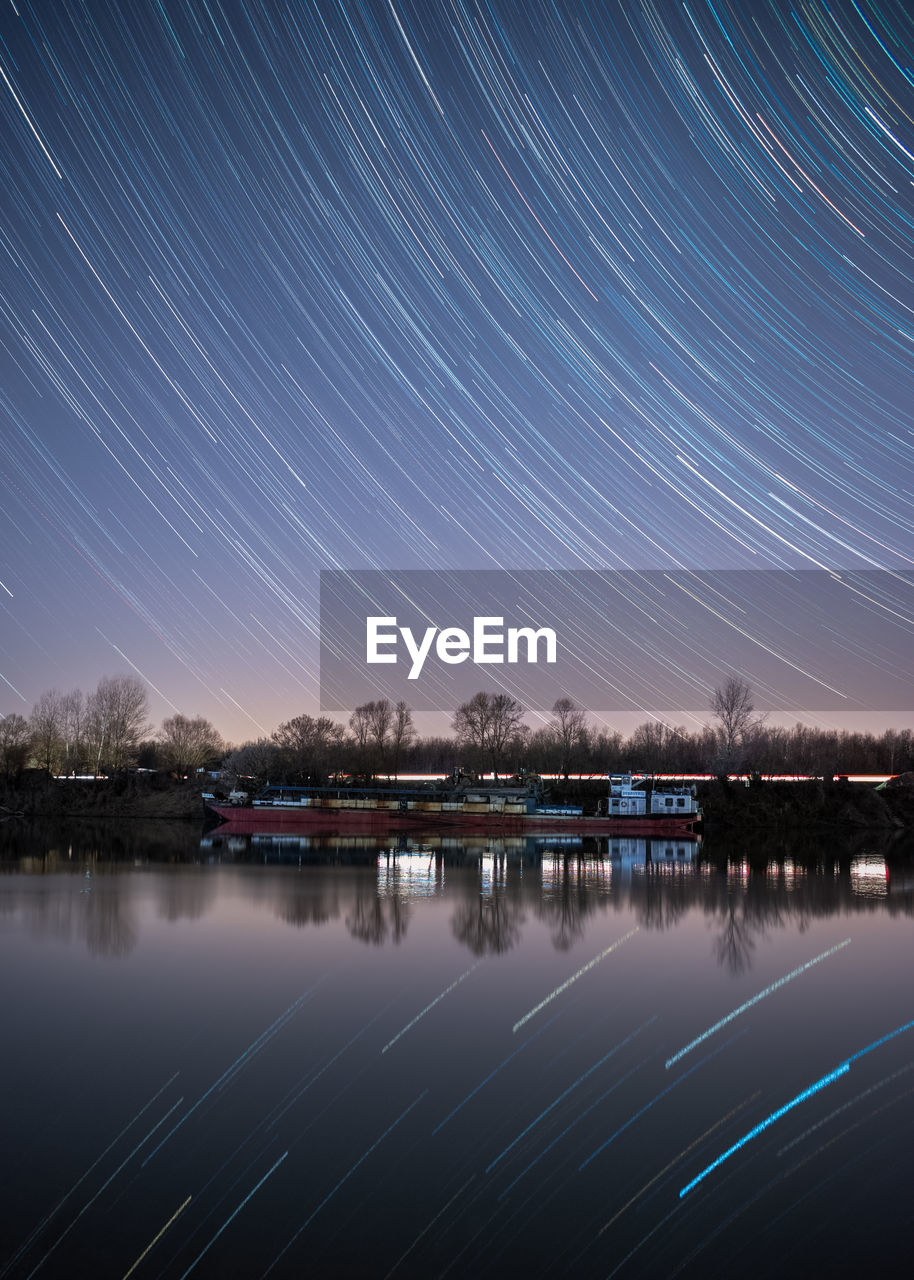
(568, 727)
(14, 743)
(307, 744)
(187, 744)
(402, 733)
(488, 723)
(46, 729)
(116, 720)
(732, 706)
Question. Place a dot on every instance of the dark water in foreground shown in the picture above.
(249, 1059)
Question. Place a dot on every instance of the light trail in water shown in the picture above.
(672, 1164)
(574, 977)
(426, 1229)
(781, 1177)
(243, 1058)
(346, 1176)
(157, 1237)
(643, 1241)
(874, 1088)
(234, 1214)
(653, 1101)
(839, 1071)
(877, 1044)
(577, 1120)
(428, 1007)
(775, 986)
(814, 1088)
(571, 1087)
(280, 1110)
(495, 1072)
(107, 1183)
(36, 1232)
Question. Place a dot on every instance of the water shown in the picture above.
(258, 1057)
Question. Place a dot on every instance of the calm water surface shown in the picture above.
(247, 1058)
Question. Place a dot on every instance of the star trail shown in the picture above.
(382, 284)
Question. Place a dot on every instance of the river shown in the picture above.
(251, 1057)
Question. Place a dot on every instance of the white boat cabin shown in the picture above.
(631, 801)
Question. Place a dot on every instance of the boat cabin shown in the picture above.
(626, 799)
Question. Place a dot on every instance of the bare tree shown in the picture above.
(471, 723)
(14, 743)
(73, 730)
(732, 706)
(360, 725)
(490, 722)
(307, 742)
(568, 727)
(260, 760)
(402, 733)
(380, 718)
(186, 744)
(116, 719)
(46, 727)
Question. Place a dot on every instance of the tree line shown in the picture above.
(108, 730)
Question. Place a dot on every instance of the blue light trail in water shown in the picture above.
(576, 1121)
(775, 986)
(234, 1214)
(564, 1094)
(653, 1101)
(495, 1071)
(107, 1183)
(770, 1120)
(346, 1176)
(243, 1058)
(801, 1097)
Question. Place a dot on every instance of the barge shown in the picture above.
(631, 807)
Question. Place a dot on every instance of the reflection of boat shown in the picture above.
(629, 807)
(619, 859)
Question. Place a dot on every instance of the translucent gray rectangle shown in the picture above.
(630, 641)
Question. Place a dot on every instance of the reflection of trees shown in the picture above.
(90, 908)
(487, 925)
(568, 903)
(373, 918)
(184, 895)
(109, 924)
(734, 943)
(488, 920)
(665, 897)
(311, 899)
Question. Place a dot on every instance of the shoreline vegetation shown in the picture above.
(733, 806)
(135, 772)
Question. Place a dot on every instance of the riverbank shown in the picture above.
(728, 806)
(133, 796)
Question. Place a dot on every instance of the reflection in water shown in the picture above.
(496, 884)
(377, 918)
(96, 913)
(489, 924)
(410, 875)
(251, 1037)
(869, 876)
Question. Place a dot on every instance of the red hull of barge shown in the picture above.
(245, 820)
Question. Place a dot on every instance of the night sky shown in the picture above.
(399, 285)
